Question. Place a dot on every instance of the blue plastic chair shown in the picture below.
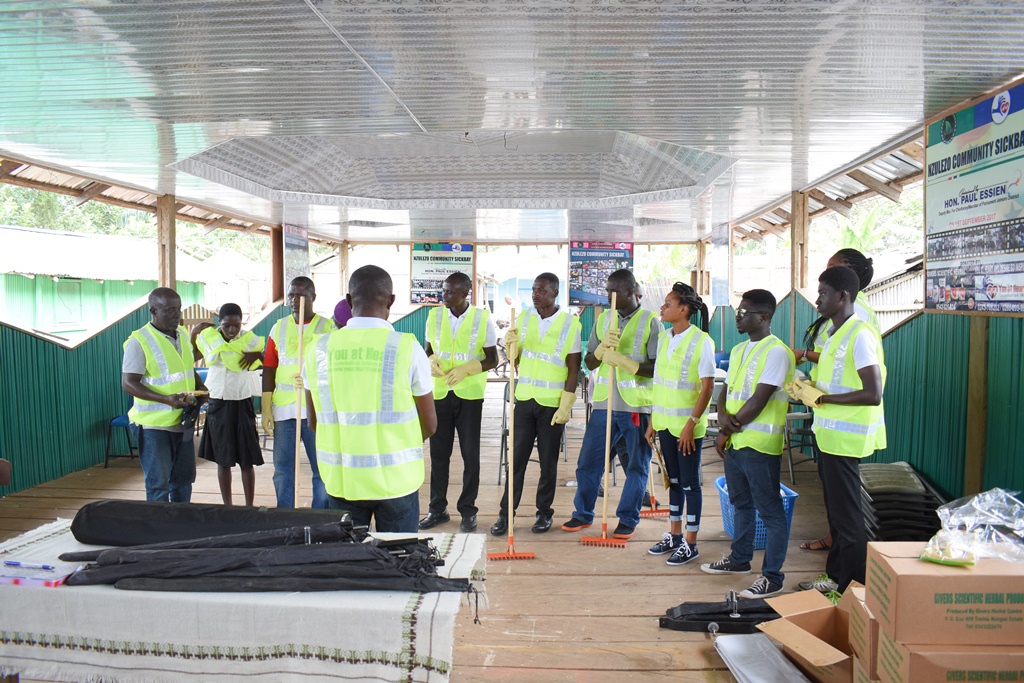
(201, 373)
(121, 422)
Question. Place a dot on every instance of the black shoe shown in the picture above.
(433, 519)
(468, 523)
(500, 527)
(542, 524)
(623, 531)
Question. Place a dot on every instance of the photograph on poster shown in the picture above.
(974, 245)
(432, 263)
(590, 264)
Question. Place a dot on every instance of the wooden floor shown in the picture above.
(574, 613)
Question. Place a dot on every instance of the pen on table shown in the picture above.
(28, 565)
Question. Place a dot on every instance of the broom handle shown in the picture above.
(614, 324)
(509, 451)
(300, 400)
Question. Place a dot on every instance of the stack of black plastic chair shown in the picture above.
(898, 503)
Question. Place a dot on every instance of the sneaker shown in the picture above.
(623, 531)
(663, 546)
(683, 554)
(575, 525)
(725, 566)
(762, 588)
(822, 584)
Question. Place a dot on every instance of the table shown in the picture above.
(99, 632)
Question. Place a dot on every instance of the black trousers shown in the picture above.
(840, 486)
(462, 416)
(533, 425)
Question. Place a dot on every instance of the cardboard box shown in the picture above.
(814, 634)
(860, 674)
(898, 663)
(863, 631)
(924, 603)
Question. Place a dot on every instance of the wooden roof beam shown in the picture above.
(216, 223)
(915, 150)
(840, 206)
(7, 167)
(748, 234)
(90, 192)
(887, 190)
(768, 226)
(783, 214)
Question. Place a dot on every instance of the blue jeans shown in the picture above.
(590, 466)
(399, 515)
(684, 480)
(168, 462)
(284, 464)
(753, 481)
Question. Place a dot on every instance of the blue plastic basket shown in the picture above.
(789, 497)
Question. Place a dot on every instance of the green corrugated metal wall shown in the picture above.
(925, 418)
(415, 323)
(264, 326)
(58, 402)
(1004, 451)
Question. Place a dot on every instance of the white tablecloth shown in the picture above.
(92, 633)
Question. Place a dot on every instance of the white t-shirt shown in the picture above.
(776, 365)
(419, 371)
(544, 324)
(455, 322)
(865, 353)
(706, 364)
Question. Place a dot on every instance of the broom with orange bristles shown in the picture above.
(511, 553)
(654, 510)
(604, 539)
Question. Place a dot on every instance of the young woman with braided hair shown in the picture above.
(816, 334)
(684, 377)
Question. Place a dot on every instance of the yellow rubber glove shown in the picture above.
(565, 404)
(461, 372)
(609, 343)
(805, 392)
(620, 361)
(267, 408)
(512, 343)
(435, 366)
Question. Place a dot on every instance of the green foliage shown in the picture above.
(664, 262)
(874, 226)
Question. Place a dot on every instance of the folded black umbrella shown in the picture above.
(231, 584)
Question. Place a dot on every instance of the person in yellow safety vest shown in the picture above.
(546, 346)
(229, 436)
(817, 333)
(462, 347)
(157, 371)
(279, 402)
(684, 377)
(752, 411)
(631, 347)
(849, 423)
(371, 403)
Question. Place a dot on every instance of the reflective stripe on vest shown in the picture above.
(286, 338)
(542, 366)
(634, 390)
(168, 371)
(677, 383)
(766, 432)
(468, 345)
(368, 442)
(853, 431)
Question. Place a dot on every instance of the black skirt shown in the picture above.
(229, 437)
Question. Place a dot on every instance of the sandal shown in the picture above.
(817, 544)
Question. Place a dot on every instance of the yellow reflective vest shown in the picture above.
(766, 433)
(542, 366)
(855, 431)
(168, 372)
(677, 383)
(212, 343)
(862, 302)
(368, 440)
(286, 338)
(635, 390)
(466, 346)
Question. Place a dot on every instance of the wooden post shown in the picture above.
(166, 241)
(276, 263)
(703, 285)
(798, 254)
(977, 405)
(343, 267)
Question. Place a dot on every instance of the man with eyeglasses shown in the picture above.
(281, 388)
(752, 420)
(157, 371)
